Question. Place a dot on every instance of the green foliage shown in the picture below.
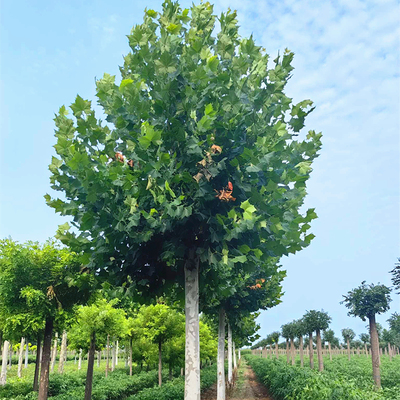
(184, 90)
(316, 320)
(365, 338)
(348, 334)
(175, 389)
(341, 380)
(367, 300)
(289, 330)
(329, 336)
(101, 318)
(38, 282)
(396, 276)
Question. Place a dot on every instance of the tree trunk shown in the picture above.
(292, 355)
(80, 360)
(20, 358)
(287, 351)
(276, 350)
(108, 355)
(311, 350)
(26, 353)
(348, 350)
(37, 364)
(98, 358)
(54, 353)
(116, 352)
(113, 355)
(301, 351)
(89, 374)
(192, 332)
(330, 351)
(62, 352)
(10, 355)
(221, 356)
(130, 358)
(159, 364)
(234, 356)
(45, 363)
(375, 351)
(319, 352)
(4, 361)
(239, 354)
(230, 371)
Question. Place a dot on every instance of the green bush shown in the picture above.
(287, 382)
(175, 389)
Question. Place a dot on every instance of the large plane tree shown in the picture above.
(200, 165)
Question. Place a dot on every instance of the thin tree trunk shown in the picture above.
(319, 351)
(89, 374)
(45, 363)
(366, 349)
(108, 355)
(230, 371)
(390, 352)
(192, 333)
(116, 352)
(221, 356)
(330, 351)
(80, 360)
(311, 350)
(10, 356)
(54, 353)
(239, 355)
(20, 358)
(375, 351)
(287, 351)
(292, 355)
(63, 350)
(113, 354)
(26, 353)
(130, 357)
(276, 350)
(234, 356)
(348, 349)
(159, 364)
(4, 361)
(98, 358)
(37, 364)
(301, 351)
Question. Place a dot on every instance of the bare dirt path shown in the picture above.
(246, 387)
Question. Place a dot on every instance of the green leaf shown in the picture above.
(169, 189)
(173, 28)
(151, 13)
(244, 249)
(209, 109)
(212, 63)
(240, 259)
(125, 83)
(304, 167)
(248, 209)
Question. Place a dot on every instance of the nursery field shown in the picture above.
(341, 380)
(143, 385)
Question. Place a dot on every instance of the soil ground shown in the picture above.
(246, 387)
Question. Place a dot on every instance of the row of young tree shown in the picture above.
(365, 301)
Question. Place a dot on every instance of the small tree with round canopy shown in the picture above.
(329, 336)
(365, 302)
(317, 321)
(348, 335)
(289, 333)
(300, 330)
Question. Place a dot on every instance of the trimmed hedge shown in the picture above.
(286, 382)
(175, 389)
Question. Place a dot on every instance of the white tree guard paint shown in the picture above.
(234, 356)
(20, 357)
(3, 376)
(63, 350)
(221, 356)
(26, 354)
(80, 360)
(54, 353)
(192, 344)
(230, 372)
(239, 354)
(117, 352)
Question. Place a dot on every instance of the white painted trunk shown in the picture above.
(113, 353)
(116, 353)
(230, 361)
(98, 358)
(234, 356)
(239, 354)
(80, 360)
(192, 342)
(63, 350)
(221, 356)
(10, 354)
(26, 353)
(54, 353)
(3, 376)
(20, 357)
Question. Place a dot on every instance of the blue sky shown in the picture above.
(347, 62)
